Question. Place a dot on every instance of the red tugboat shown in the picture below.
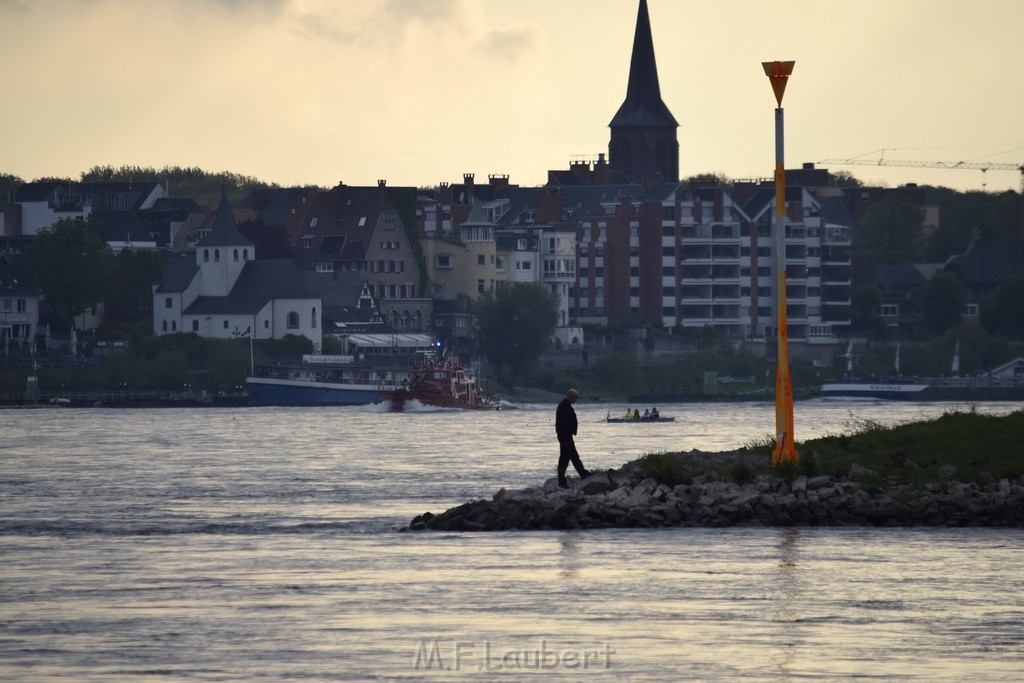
(443, 383)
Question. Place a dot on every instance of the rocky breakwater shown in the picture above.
(630, 498)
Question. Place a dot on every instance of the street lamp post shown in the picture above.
(785, 448)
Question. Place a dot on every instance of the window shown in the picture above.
(195, 325)
(206, 255)
(362, 222)
(443, 261)
(307, 242)
(236, 255)
(168, 302)
(225, 324)
(245, 254)
(266, 324)
(480, 286)
(313, 318)
(165, 326)
(481, 260)
(21, 305)
(889, 310)
(292, 321)
(174, 326)
(216, 255)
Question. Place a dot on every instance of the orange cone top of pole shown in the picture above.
(778, 73)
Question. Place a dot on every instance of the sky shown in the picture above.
(418, 92)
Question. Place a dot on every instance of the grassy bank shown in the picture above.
(960, 445)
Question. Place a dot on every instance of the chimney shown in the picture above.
(382, 183)
(601, 171)
(498, 181)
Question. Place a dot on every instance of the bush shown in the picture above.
(740, 472)
(665, 468)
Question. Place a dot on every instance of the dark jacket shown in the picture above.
(565, 420)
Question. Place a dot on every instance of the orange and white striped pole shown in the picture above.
(785, 447)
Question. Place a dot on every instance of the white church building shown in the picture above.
(223, 291)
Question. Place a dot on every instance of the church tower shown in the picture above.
(223, 253)
(643, 140)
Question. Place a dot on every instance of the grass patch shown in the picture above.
(980, 448)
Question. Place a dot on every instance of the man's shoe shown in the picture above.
(563, 484)
(586, 473)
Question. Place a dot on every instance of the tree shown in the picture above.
(894, 229)
(131, 299)
(864, 303)
(1003, 311)
(943, 301)
(70, 263)
(514, 326)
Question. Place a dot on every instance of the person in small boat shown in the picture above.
(565, 428)
(628, 415)
(654, 413)
(647, 414)
(636, 414)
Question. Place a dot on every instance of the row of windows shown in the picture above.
(406, 320)
(20, 304)
(497, 261)
(291, 321)
(396, 291)
(216, 255)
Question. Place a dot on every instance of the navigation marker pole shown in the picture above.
(785, 448)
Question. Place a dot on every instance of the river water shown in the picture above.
(261, 544)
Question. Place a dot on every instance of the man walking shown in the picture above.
(565, 428)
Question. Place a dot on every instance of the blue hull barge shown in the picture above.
(321, 380)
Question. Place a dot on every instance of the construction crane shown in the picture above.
(957, 165)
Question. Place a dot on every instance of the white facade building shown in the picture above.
(224, 292)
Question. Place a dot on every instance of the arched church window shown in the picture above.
(245, 254)
(236, 255)
(206, 255)
(293, 320)
(216, 255)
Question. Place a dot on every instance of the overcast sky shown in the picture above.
(421, 91)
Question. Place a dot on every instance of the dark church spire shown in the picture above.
(643, 141)
(225, 230)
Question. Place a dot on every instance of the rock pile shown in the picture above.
(628, 497)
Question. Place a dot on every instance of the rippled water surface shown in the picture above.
(262, 544)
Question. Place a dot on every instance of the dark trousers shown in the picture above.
(566, 454)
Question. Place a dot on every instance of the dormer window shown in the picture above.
(362, 221)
